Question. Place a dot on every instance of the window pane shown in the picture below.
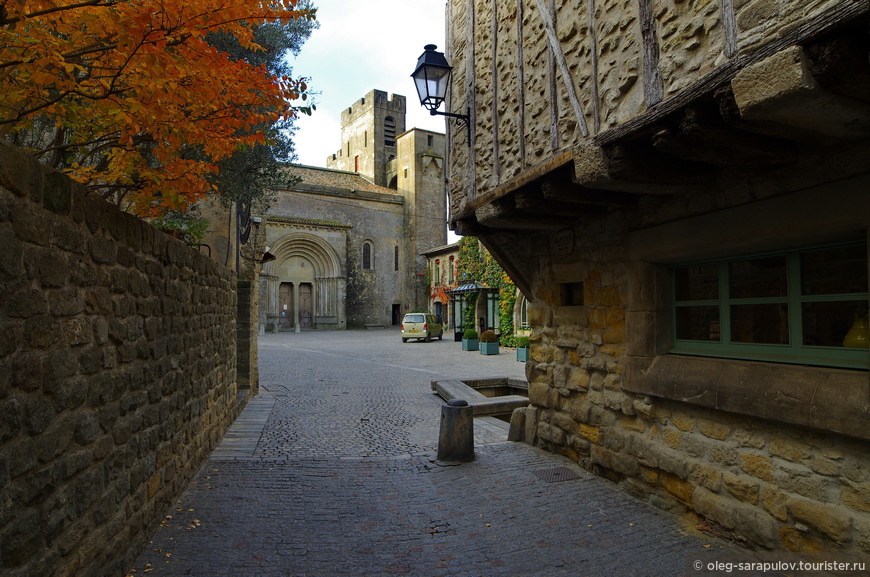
(760, 323)
(826, 324)
(838, 270)
(698, 323)
(697, 283)
(758, 277)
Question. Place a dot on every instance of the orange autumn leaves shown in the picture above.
(131, 99)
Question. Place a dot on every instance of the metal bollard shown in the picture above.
(456, 438)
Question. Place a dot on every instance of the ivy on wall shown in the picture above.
(475, 263)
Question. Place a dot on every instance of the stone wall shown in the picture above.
(759, 460)
(117, 374)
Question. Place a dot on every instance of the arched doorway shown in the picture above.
(308, 284)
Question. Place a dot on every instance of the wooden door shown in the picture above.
(306, 308)
(285, 305)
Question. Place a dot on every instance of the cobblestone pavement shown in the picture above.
(331, 471)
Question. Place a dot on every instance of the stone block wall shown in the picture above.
(766, 480)
(117, 374)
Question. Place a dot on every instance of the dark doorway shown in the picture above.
(306, 308)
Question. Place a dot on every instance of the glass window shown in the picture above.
(437, 278)
(697, 283)
(697, 323)
(524, 314)
(796, 306)
(757, 277)
(367, 256)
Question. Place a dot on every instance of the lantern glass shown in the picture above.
(432, 77)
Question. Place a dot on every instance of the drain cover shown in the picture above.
(557, 475)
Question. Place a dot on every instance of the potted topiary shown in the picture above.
(523, 349)
(469, 340)
(488, 343)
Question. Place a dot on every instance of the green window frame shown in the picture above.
(801, 306)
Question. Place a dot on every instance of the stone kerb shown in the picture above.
(117, 373)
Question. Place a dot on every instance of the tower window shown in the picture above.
(396, 258)
(389, 131)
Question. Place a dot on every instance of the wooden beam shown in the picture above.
(496, 141)
(701, 135)
(556, 46)
(521, 83)
(508, 187)
(564, 190)
(652, 80)
(512, 251)
(495, 216)
(531, 203)
(729, 22)
(593, 49)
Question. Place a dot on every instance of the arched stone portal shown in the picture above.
(305, 284)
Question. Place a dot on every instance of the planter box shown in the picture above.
(522, 354)
(469, 344)
(489, 348)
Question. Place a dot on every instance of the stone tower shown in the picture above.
(369, 129)
(419, 176)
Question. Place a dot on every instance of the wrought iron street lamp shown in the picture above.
(432, 78)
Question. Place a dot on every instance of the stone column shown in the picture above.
(297, 328)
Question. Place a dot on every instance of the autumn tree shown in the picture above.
(131, 98)
(251, 173)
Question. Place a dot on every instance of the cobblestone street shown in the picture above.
(332, 471)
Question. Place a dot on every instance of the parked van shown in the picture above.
(421, 326)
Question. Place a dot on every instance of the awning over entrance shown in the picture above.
(472, 287)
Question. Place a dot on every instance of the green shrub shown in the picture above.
(469, 334)
(522, 342)
(185, 226)
(488, 337)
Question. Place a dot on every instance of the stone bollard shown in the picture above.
(456, 439)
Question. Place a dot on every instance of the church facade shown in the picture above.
(344, 243)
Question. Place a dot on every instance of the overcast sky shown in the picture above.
(363, 45)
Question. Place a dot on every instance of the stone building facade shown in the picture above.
(680, 188)
(347, 240)
(443, 277)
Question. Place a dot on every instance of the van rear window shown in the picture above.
(415, 319)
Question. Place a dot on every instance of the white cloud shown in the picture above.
(360, 46)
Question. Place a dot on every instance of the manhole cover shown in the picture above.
(557, 475)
